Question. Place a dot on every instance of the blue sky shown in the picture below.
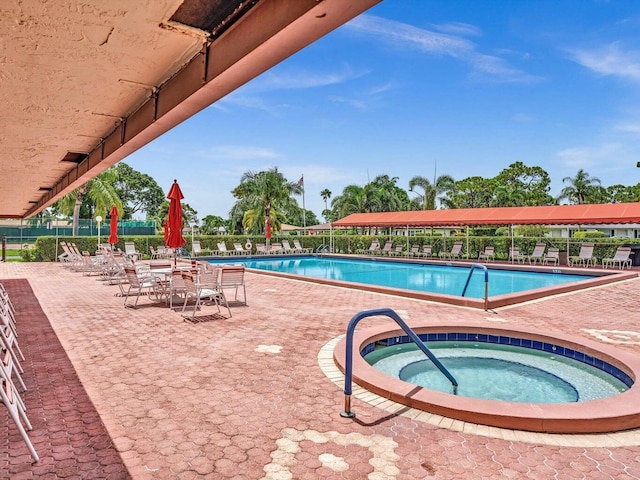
(470, 86)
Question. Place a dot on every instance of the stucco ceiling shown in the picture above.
(83, 83)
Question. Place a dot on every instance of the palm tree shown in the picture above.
(267, 194)
(579, 188)
(508, 196)
(326, 195)
(442, 184)
(102, 193)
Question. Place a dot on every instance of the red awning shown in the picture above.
(548, 215)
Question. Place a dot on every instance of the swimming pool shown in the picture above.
(433, 280)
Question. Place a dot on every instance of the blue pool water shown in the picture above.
(440, 279)
(498, 372)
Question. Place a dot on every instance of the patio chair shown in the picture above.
(538, 253)
(456, 251)
(299, 248)
(240, 250)
(488, 254)
(373, 248)
(584, 257)
(261, 249)
(196, 249)
(426, 252)
(287, 247)
(622, 258)
(222, 249)
(130, 250)
(414, 251)
(552, 256)
(233, 277)
(275, 248)
(139, 284)
(12, 400)
(397, 251)
(198, 292)
(516, 256)
(388, 245)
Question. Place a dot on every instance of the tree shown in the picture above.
(508, 196)
(267, 194)
(383, 195)
(532, 184)
(430, 191)
(471, 192)
(326, 195)
(189, 214)
(579, 188)
(211, 225)
(138, 191)
(99, 191)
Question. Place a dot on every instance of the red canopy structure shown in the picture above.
(113, 226)
(547, 215)
(174, 221)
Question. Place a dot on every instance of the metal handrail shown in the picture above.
(348, 371)
(486, 283)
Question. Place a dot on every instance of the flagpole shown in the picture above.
(304, 213)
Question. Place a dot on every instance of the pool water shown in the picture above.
(498, 372)
(439, 279)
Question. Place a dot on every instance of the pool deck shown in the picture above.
(120, 393)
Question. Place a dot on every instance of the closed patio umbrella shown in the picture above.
(166, 231)
(175, 239)
(113, 226)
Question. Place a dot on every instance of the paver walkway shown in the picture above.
(244, 397)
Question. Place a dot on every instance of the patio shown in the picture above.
(156, 397)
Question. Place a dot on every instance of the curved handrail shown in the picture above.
(486, 282)
(348, 371)
(323, 248)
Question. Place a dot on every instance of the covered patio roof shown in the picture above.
(546, 215)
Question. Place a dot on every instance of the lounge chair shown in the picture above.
(15, 406)
(196, 249)
(386, 249)
(552, 256)
(584, 257)
(622, 258)
(516, 256)
(222, 250)
(373, 248)
(456, 251)
(488, 254)
(130, 250)
(275, 248)
(414, 251)
(240, 250)
(538, 253)
(261, 249)
(287, 247)
(299, 248)
(426, 252)
(397, 251)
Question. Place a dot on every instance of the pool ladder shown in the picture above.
(486, 283)
(348, 371)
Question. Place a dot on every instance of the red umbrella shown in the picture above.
(267, 231)
(175, 238)
(113, 226)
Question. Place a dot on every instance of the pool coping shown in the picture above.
(620, 412)
(603, 277)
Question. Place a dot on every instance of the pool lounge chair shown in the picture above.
(397, 251)
(373, 248)
(130, 250)
(516, 256)
(487, 255)
(222, 250)
(426, 252)
(286, 246)
(456, 252)
(196, 249)
(622, 258)
(239, 249)
(299, 248)
(538, 253)
(552, 256)
(584, 257)
(386, 249)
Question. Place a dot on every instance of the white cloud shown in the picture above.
(586, 157)
(610, 60)
(240, 152)
(485, 67)
(522, 118)
(632, 128)
(459, 28)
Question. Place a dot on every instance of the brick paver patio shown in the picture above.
(142, 394)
